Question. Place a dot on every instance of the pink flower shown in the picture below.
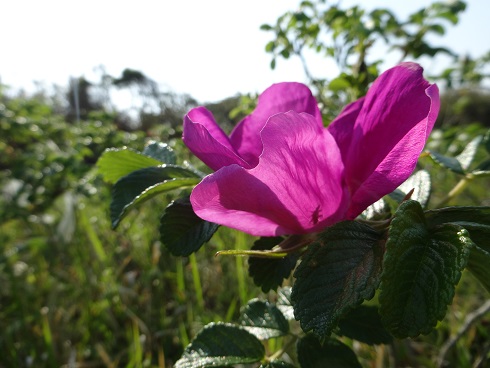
(210, 144)
(289, 175)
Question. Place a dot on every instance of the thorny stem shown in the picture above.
(458, 188)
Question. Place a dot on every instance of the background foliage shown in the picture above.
(75, 293)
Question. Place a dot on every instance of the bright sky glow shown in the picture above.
(210, 49)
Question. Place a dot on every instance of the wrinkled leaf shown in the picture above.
(220, 344)
(476, 220)
(269, 273)
(331, 353)
(182, 232)
(263, 319)
(338, 271)
(143, 184)
(420, 270)
(364, 324)
(161, 152)
(114, 163)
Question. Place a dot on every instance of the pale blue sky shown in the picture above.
(210, 49)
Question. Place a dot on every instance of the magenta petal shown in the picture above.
(343, 126)
(278, 98)
(295, 188)
(390, 132)
(207, 141)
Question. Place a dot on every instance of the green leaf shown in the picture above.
(220, 344)
(461, 163)
(476, 220)
(161, 152)
(466, 157)
(339, 84)
(338, 271)
(450, 163)
(479, 265)
(263, 319)
(269, 273)
(182, 232)
(114, 163)
(364, 324)
(332, 353)
(284, 303)
(143, 184)
(421, 267)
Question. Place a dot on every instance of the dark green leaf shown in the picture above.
(113, 164)
(161, 152)
(182, 231)
(421, 267)
(364, 324)
(479, 265)
(269, 273)
(263, 319)
(474, 219)
(338, 271)
(450, 163)
(284, 303)
(143, 184)
(220, 344)
(332, 353)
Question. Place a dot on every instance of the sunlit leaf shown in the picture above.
(114, 163)
(466, 157)
(284, 302)
(161, 152)
(263, 319)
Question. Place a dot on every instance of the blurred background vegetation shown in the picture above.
(76, 294)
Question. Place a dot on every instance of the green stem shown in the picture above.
(458, 188)
(197, 281)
